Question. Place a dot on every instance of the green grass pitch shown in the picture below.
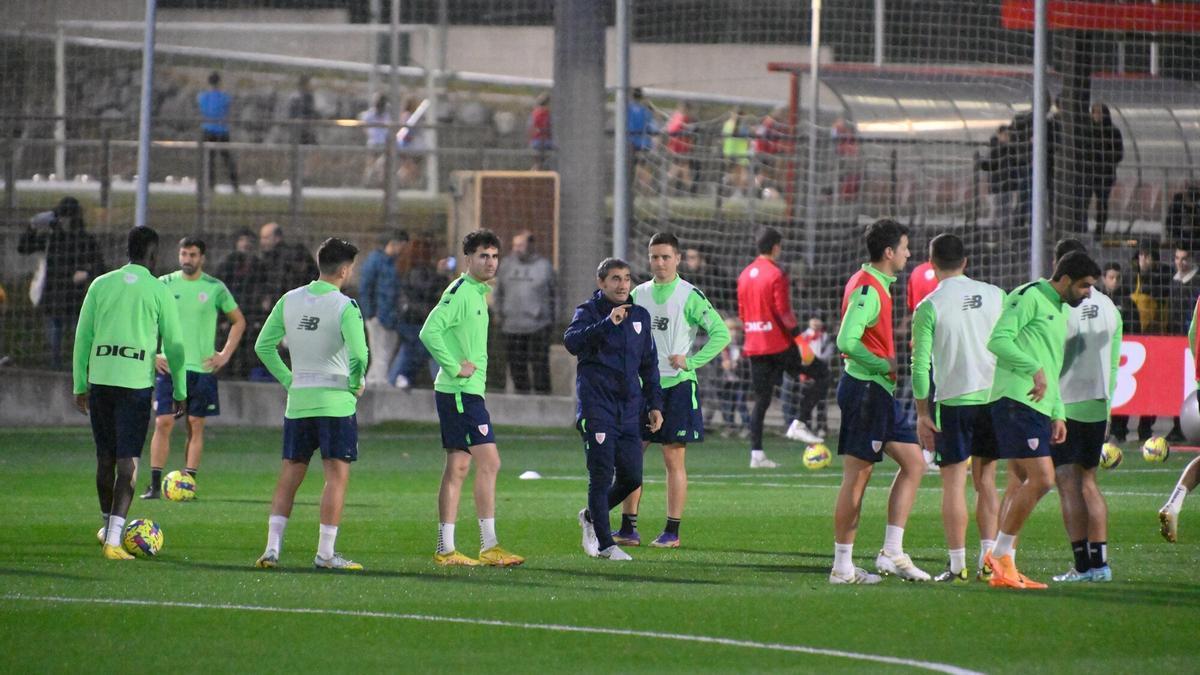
(746, 593)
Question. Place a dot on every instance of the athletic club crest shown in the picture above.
(483, 429)
(600, 437)
(202, 297)
(877, 445)
(637, 327)
(1032, 442)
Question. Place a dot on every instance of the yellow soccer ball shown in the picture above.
(817, 457)
(179, 486)
(143, 538)
(1111, 456)
(1156, 449)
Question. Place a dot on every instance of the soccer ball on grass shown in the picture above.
(817, 457)
(1156, 449)
(179, 486)
(1111, 456)
(143, 538)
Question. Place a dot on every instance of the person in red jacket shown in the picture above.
(770, 329)
(921, 283)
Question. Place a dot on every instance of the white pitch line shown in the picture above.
(550, 627)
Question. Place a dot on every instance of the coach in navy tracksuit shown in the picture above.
(616, 383)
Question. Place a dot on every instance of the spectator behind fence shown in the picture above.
(214, 105)
(376, 118)
(71, 261)
(735, 149)
(1104, 151)
(704, 274)
(378, 297)
(301, 110)
(241, 270)
(681, 135)
(1150, 290)
(1001, 179)
(735, 384)
(1112, 285)
(525, 301)
(285, 265)
(420, 288)
(1183, 216)
(769, 143)
(642, 129)
(541, 133)
(1184, 288)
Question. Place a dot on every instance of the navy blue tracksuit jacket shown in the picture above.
(611, 360)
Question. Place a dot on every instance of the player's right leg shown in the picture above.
(1068, 477)
(987, 510)
(600, 448)
(160, 442)
(339, 448)
(856, 473)
(628, 534)
(765, 374)
(301, 437)
(954, 519)
(127, 416)
(889, 423)
(1168, 515)
(456, 438)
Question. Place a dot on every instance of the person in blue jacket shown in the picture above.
(616, 384)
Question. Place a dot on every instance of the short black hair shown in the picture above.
(1183, 246)
(1115, 266)
(141, 240)
(392, 235)
(334, 253)
(608, 265)
(244, 232)
(1067, 245)
(193, 242)
(214, 78)
(1075, 265)
(881, 235)
(767, 239)
(480, 239)
(947, 252)
(667, 238)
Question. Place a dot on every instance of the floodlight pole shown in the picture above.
(879, 25)
(621, 192)
(814, 93)
(1037, 224)
(143, 164)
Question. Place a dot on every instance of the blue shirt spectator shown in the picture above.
(379, 283)
(214, 108)
(640, 122)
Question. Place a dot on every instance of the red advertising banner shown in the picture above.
(1155, 376)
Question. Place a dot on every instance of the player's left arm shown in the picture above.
(1115, 358)
(267, 345)
(85, 333)
(781, 302)
(354, 335)
(862, 313)
(698, 311)
(237, 328)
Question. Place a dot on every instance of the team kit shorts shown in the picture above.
(683, 420)
(1085, 441)
(966, 431)
(1021, 431)
(871, 418)
(120, 418)
(202, 399)
(464, 420)
(337, 438)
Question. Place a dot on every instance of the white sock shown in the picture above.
(1004, 546)
(893, 540)
(757, 455)
(275, 528)
(445, 538)
(843, 558)
(326, 541)
(487, 533)
(1175, 502)
(116, 528)
(958, 560)
(985, 545)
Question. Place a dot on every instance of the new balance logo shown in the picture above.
(309, 322)
(1091, 311)
(972, 302)
(660, 323)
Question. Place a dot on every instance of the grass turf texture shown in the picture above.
(757, 550)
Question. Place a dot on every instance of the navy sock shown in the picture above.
(156, 478)
(1099, 553)
(672, 526)
(190, 472)
(628, 522)
(1082, 555)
